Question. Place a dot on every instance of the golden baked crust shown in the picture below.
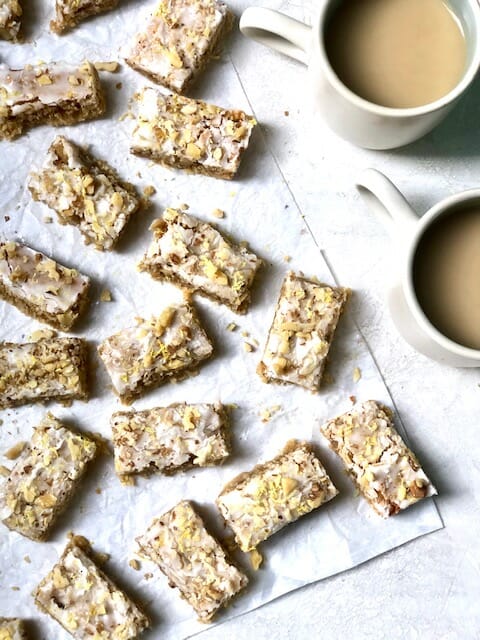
(69, 13)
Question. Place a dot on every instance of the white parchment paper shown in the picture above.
(260, 209)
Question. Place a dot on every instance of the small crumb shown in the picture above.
(352, 399)
(47, 219)
(105, 296)
(4, 471)
(148, 576)
(139, 175)
(101, 557)
(286, 113)
(218, 213)
(233, 405)
(15, 588)
(6, 218)
(27, 559)
(135, 564)
(149, 190)
(184, 206)
(287, 258)
(98, 490)
(269, 412)
(248, 347)
(232, 194)
(357, 374)
(112, 66)
(245, 334)
(232, 326)
(15, 451)
(42, 334)
(119, 85)
(127, 481)
(256, 559)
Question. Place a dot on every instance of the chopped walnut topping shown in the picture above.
(14, 452)
(105, 295)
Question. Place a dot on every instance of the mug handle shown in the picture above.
(277, 31)
(384, 199)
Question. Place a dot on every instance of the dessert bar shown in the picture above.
(85, 192)
(168, 439)
(81, 598)
(44, 478)
(190, 134)
(192, 560)
(56, 93)
(258, 503)
(383, 468)
(192, 253)
(41, 287)
(155, 350)
(69, 13)
(302, 330)
(50, 369)
(180, 38)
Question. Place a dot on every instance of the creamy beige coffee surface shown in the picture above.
(447, 275)
(396, 53)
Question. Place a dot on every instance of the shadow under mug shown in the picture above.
(357, 120)
(384, 199)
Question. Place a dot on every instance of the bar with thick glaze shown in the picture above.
(302, 330)
(180, 38)
(190, 134)
(258, 503)
(41, 287)
(192, 560)
(85, 602)
(50, 369)
(155, 350)
(69, 13)
(169, 439)
(192, 253)
(44, 478)
(10, 19)
(84, 192)
(383, 468)
(56, 93)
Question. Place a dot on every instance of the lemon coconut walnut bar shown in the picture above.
(258, 503)
(192, 560)
(84, 192)
(85, 602)
(189, 134)
(169, 439)
(302, 330)
(192, 253)
(69, 13)
(56, 93)
(180, 38)
(155, 350)
(383, 468)
(50, 369)
(45, 478)
(41, 287)
(10, 16)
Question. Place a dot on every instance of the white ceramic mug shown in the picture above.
(386, 200)
(353, 118)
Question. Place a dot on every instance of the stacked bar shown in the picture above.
(303, 327)
(10, 15)
(44, 478)
(163, 348)
(80, 597)
(69, 13)
(85, 192)
(192, 253)
(190, 134)
(56, 93)
(180, 38)
(41, 287)
(384, 469)
(169, 439)
(50, 369)
(258, 503)
(193, 561)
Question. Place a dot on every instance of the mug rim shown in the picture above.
(425, 221)
(398, 112)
